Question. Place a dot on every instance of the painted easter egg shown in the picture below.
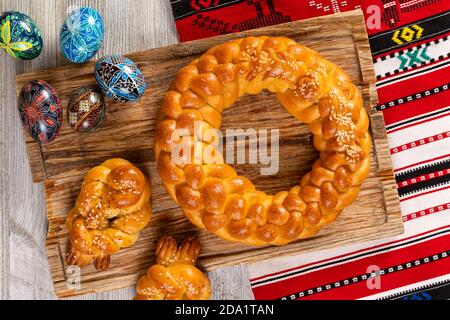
(120, 78)
(40, 111)
(86, 110)
(20, 36)
(81, 35)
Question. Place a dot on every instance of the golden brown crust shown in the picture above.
(174, 276)
(314, 90)
(112, 207)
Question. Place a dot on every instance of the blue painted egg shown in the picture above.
(81, 35)
(120, 78)
(40, 111)
(20, 36)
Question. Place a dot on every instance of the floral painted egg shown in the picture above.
(81, 35)
(40, 111)
(120, 78)
(86, 110)
(20, 36)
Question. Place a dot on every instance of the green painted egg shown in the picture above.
(20, 36)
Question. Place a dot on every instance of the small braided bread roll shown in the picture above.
(317, 92)
(174, 276)
(112, 207)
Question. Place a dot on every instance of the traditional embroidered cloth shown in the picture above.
(411, 54)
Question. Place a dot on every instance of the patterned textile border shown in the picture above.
(411, 51)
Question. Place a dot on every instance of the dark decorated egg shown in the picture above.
(81, 35)
(120, 78)
(86, 110)
(40, 111)
(20, 36)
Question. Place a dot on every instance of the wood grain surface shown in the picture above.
(131, 25)
(128, 132)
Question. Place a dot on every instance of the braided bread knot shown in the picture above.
(317, 92)
(112, 207)
(174, 276)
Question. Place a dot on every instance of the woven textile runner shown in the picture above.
(411, 55)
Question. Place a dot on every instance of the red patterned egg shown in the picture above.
(40, 111)
(86, 110)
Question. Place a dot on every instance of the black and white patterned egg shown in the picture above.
(120, 78)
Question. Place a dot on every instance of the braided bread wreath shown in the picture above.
(314, 90)
(112, 207)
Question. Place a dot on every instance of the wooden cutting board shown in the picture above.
(128, 132)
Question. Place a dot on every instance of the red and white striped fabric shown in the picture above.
(411, 54)
(412, 83)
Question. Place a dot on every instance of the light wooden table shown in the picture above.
(131, 25)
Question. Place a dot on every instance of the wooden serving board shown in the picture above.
(128, 132)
